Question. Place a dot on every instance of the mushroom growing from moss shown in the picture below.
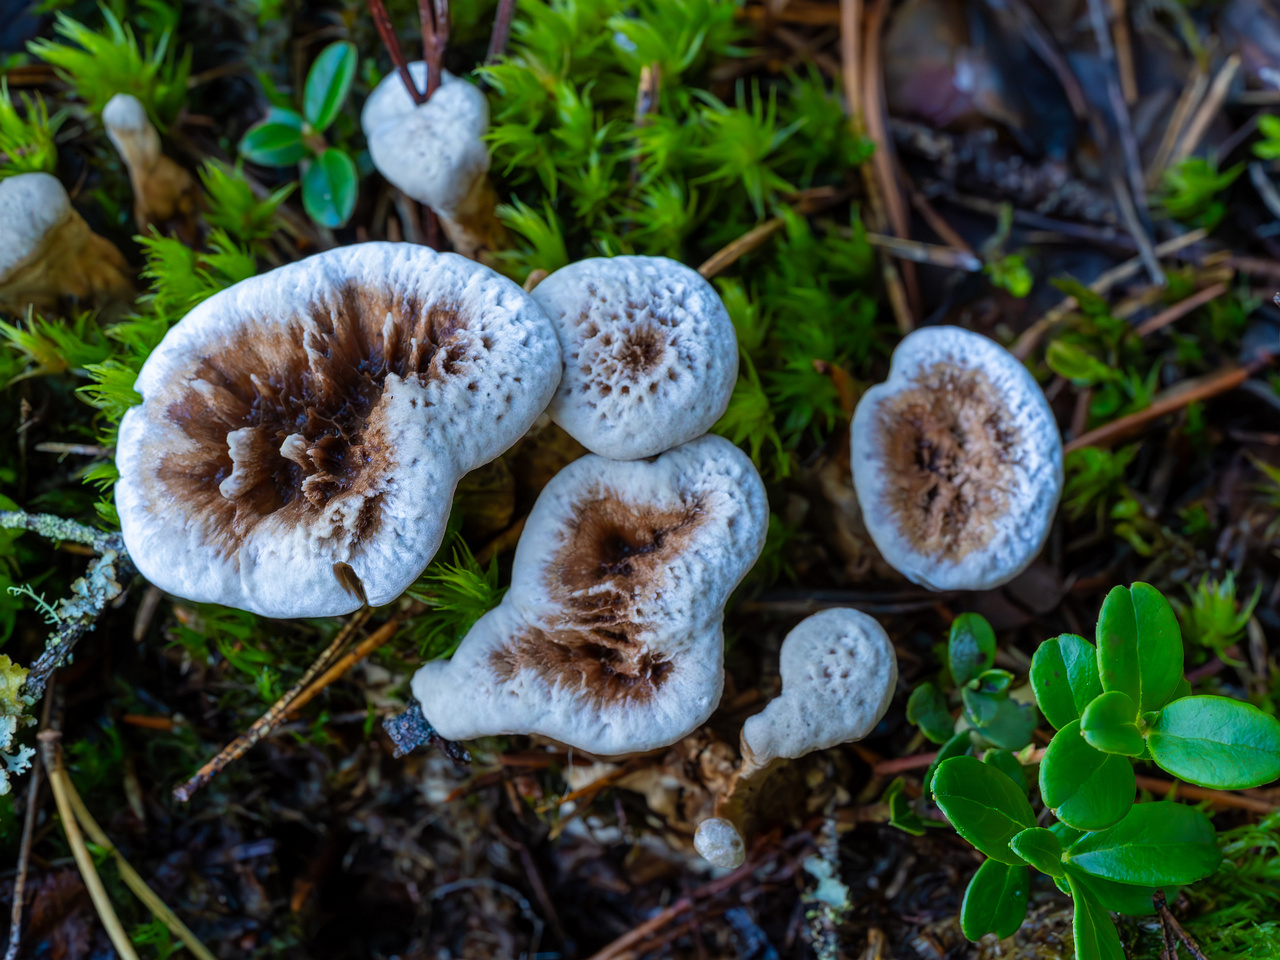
(957, 462)
(435, 153)
(301, 433)
(48, 252)
(610, 639)
(650, 354)
(164, 193)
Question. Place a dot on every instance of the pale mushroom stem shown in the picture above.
(474, 228)
(164, 193)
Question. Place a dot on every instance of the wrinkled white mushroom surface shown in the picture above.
(719, 843)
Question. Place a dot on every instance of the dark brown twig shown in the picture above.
(501, 30)
(1167, 917)
(435, 37)
(387, 33)
(24, 852)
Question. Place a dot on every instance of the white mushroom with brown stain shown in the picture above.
(164, 193)
(719, 843)
(48, 252)
(301, 433)
(650, 354)
(611, 637)
(435, 153)
(957, 462)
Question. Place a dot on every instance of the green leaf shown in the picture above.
(955, 747)
(901, 814)
(1040, 848)
(329, 188)
(1156, 844)
(1139, 646)
(983, 804)
(1110, 724)
(328, 83)
(1010, 726)
(1074, 363)
(1216, 742)
(276, 141)
(927, 709)
(1064, 676)
(995, 901)
(1084, 787)
(1008, 764)
(1132, 901)
(971, 647)
(1095, 934)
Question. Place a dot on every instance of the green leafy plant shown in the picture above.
(991, 722)
(287, 137)
(1268, 148)
(26, 138)
(1120, 700)
(1213, 617)
(457, 594)
(1190, 189)
(1010, 273)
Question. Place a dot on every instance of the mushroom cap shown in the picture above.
(838, 671)
(957, 461)
(31, 205)
(125, 112)
(301, 432)
(650, 353)
(610, 638)
(435, 151)
(719, 843)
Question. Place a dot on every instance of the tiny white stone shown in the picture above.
(719, 843)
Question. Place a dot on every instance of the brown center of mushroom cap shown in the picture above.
(949, 445)
(607, 579)
(287, 417)
(629, 349)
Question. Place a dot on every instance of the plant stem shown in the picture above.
(387, 33)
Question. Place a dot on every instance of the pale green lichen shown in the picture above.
(13, 707)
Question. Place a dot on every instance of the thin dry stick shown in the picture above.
(918, 252)
(937, 224)
(1219, 798)
(1191, 95)
(369, 644)
(731, 252)
(28, 832)
(132, 880)
(1209, 108)
(1124, 51)
(387, 33)
(1181, 309)
(1166, 916)
(275, 716)
(58, 780)
(501, 30)
(1202, 388)
(434, 15)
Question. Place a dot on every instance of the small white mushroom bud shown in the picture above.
(719, 843)
(611, 637)
(957, 462)
(302, 432)
(435, 152)
(838, 671)
(47, 251)
(164, 193)
(650, 354)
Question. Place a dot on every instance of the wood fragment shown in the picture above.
(917, 252)
(387, 34)
(1181, 309)
(1190, 97)
(736, 249)
(1219, 798)
(1209, 107)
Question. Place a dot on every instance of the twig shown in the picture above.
(80, 449)
(1166, 916)
(150, 899)
(24, 852)
(919, 761)
(734, 250)
(1191, 95)
(435, 37)
(1209, 108)
(387, 33)
(501, 30)
(370, 643)
(275, 716)
(58, 780)
(1181, 309)
(918, 252)
(1202, 388)
(1219, 798)
(1124, 51)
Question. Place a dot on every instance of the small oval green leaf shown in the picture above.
(983, 804)
(995, 900)
(1120, 897)
(1216, 742)
(1064, 676)
(1139, 646)
(1040, 848)
(328, 83)
(1156, 844)
(1008, 764)
(1095, 934)
(329, 188)
(276, 141)
(955, 747)
(927, 709)
(1084, 787)
(971, 648)
(1110, 724)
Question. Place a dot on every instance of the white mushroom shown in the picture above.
(957, 462)
(302, 432)
(650, 354)
(47, 251)
(838, 672)
(719, 843)
(163, 192)
(435, 152)
(611, 636)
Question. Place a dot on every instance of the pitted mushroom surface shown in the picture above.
(957, 461)
(301, 433)
(650, 353)
(610, 638)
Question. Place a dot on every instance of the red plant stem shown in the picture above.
(381, 20)
(435, 37)
(501, 30)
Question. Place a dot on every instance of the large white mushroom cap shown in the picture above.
(301, 433)
(32, 205)
(957, 461)
(610, 638)
(838, 671)
(650, 353)
(435, 151)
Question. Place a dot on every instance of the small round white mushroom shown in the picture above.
(611, 636)
(47, 251)
(435, 152)
(302, 432)
(957, 462)
(650, 354)
(719, 843)
(163, 192)
(838, 671)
